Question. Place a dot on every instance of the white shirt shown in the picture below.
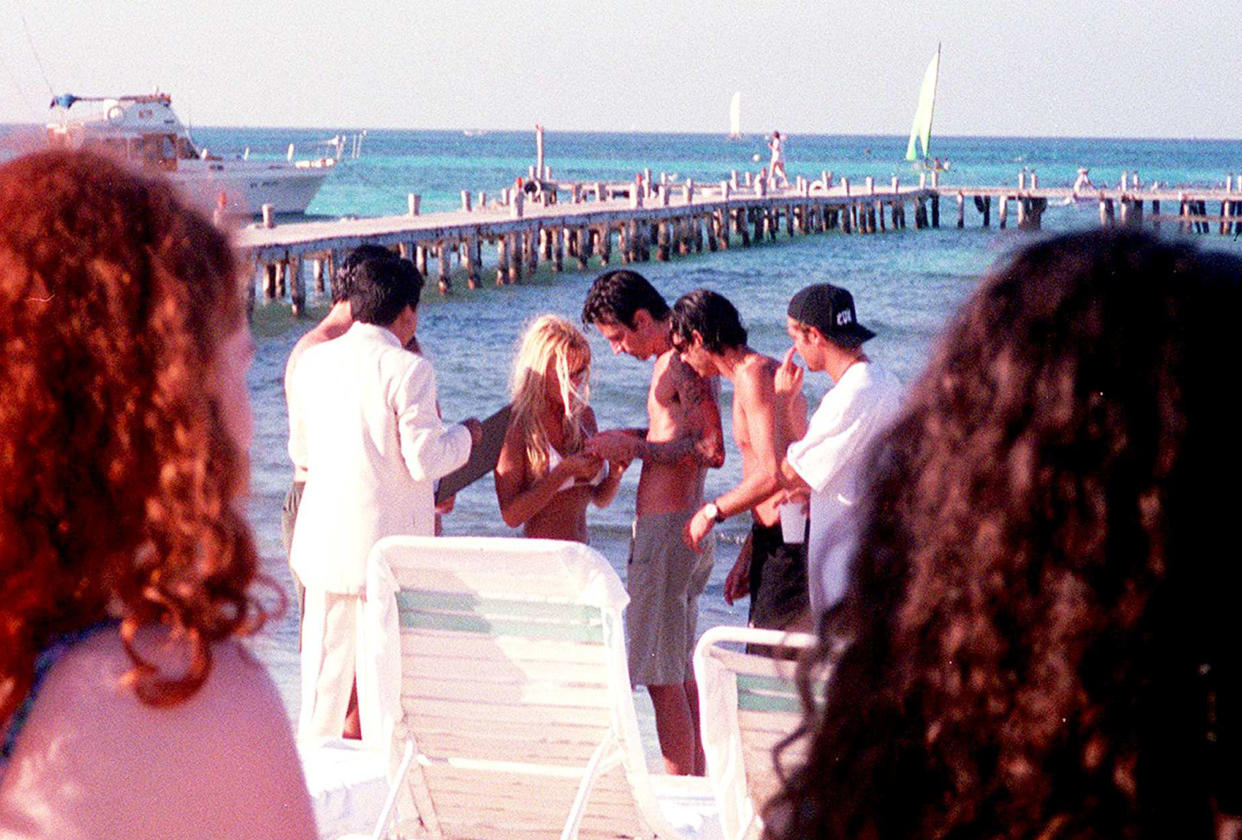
(829, 458)
(373, 445)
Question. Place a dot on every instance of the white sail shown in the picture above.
(735, 115)
(921, 130)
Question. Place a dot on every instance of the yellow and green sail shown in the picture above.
(920, 132)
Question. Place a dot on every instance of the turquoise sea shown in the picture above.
(906, 283)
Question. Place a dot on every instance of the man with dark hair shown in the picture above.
(663, 575)
(373, 445)
(333, 325)
(708, 334)
(383, 290)
(616, 297)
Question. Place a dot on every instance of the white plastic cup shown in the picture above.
(793, 522)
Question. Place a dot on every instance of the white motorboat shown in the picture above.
(145, 131)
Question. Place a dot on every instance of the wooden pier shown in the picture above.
(1129, 203)
(632, 221)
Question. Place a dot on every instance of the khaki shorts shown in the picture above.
(664, 577)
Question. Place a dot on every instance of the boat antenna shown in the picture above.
(21, 92)
(189, 117)
(30, 41)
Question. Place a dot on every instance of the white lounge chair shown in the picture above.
(747, 704)
(347, 783)
(497, 667)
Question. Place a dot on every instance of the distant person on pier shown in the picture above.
(333, 325)
(545, 478)
(1039, 633)
(663, 576)
(373, 444)
(776, 166)
(708, 334)
(130, 706)
(1083, 183)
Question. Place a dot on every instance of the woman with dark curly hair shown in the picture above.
(1039, 639)
(128, 705)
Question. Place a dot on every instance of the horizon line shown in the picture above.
(680, 132)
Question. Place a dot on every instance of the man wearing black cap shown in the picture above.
(828, 459)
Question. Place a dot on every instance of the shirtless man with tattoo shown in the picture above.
(709, 336)
(664, 576)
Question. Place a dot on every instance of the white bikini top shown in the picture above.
(555, 458)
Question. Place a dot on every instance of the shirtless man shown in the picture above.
(709, 336)
(663, 575)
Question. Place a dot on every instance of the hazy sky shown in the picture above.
(1145, 68)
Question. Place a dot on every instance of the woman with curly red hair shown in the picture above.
(129, 707)
(1039, 637)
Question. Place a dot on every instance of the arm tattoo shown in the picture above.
(669, 452)
(697, 439)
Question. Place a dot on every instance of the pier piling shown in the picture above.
(674, 219)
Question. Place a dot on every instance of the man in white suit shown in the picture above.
(373, 445)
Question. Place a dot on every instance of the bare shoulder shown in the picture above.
(237, 689)
(660, 370)
(514, 446)
(691, 388)
(757, 375)
(92, 750)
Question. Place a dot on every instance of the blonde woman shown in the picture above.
(543, 478)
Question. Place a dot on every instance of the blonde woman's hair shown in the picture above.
(549, 339)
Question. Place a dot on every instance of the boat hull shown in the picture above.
(145, 131)
(242, 188)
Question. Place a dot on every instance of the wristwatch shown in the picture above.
(713, 512)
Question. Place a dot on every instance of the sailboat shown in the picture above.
(920, 132)
(735, 116)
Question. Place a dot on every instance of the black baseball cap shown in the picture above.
(829, 309)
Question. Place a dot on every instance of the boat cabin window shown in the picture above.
(185, 149)
(159, 150)
(114, 146)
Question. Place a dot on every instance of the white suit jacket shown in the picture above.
(373, 444)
